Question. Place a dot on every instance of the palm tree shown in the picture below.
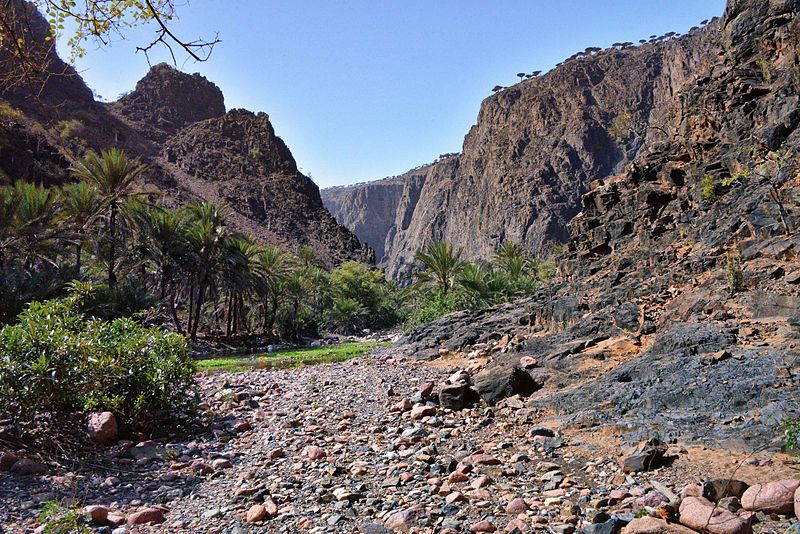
(34, 210)
(112, 174)
(295, 287)
(207, 242)
(79, 204)
(238, 277)
(164, 242)
(271, 266)
(307, 256)
(441, 264)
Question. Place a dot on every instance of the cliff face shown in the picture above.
(377, 211)
(677, 308)
(537, 146)
(177, 124)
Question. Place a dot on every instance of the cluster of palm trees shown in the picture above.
(186, 262)
(510, 274)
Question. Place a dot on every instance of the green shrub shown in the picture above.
(296, 325)
(345, 316)
(361, 299)
(791, 434)
(60, 519)
(56, 359)
(620, 128)
(709, 189)
(434, 305)
(734, 274)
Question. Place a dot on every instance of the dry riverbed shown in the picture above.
(353, 446)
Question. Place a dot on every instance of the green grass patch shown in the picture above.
(290, 357)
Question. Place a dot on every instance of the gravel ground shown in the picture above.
(360, 445)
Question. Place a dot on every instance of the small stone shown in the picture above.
(483, 526)
(26, 466)
(147, 515)
(517, 506)
(515, 526)
(312, 452)
(420, 410)
(97, 513)
(221, 463)
(481, 459)
(256, 513)
(270, 507)
(651, 525)
(7, 459)
(645, 456)
(405, 520)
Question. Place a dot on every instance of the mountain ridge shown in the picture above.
(178, 125)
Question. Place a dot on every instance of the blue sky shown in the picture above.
(363, 89)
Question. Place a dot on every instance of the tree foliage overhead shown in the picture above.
(27, 47)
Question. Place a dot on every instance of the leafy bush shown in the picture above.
(734, 274)
(361, 298)
(128, 299)
(445, 283)
(709, 189)
(345, 316)
(434, 305)
(296, 324)
(60, 519)
(791, 434)
(57, 359)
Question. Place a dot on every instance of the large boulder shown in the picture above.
(772, 498)
(102, 427)
(645, 456)
(499, 382)
(704, 516)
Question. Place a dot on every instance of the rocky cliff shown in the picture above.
(377, 211)
(677, 309)
(537, 146)
(178, 125)
(164, 102)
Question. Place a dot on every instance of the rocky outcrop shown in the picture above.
(166, 100)
(377, 211)
(676, 310)
(177, 124)
(238, 160)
